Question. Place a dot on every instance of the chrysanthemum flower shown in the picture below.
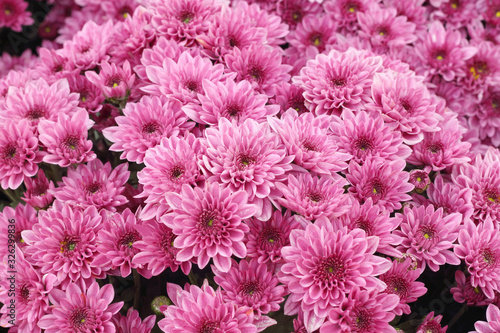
(293, 11)
(259, 64)
(19, 153)
(344, 12)
(30, 296)
(230, 100)
(144, 124)
(479, 247)
(37, 191)
(432, 324)
(91, 97)
(457, 13)
(362, 311)
(115, 82)
(208, 224)
(53, 65)
(65, 241)
(338, 80)
(490, 14)
(132, 323)
(13, 14)
(81, 310)
(485, 115)
(401, 281)
(362, 135)
(323, 265)
(375, 222)
(265, 239)
(405, 105)
(313, 35)
(93, 184)
(156, 249)
(383, 181)
(420, 179)
(24, 217)
(66, 140)
(482, 70)
(203, 310)
(289, 96)
(248, 157)
(429, 236)
(120, 10)
(492, 323)
(169, 165)
(250, 284)
(443, 53)
(464, 292)
(116, 243)
(312, 196)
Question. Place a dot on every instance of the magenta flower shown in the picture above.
(24, 217)
(19, 153)
(344, 12)
(66, 140)
(65, 241)
(322, 265)
(338, 80)
(479, 247)
(115, 82)
(247, 157)
(313, 35)
(420, 179)
(293, 11)
(492, 323)
(144, 124)
(464, 292)
(362, 311)
(484, 115)
(169, 165)
(289, 96)
(482, 71)
(362, 135)
(203, 310)
(93, 184)
(312, 197)
(132, 322)
(383, 181)
(250, 284)
(156, 249)
(13, 14)
(81, 310)
(230, 100)
(432, 324)
(208, 224)
(307, 138)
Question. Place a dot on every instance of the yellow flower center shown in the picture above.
(352, 9)
(439, 57)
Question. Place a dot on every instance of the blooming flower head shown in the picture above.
(457, 13)
(156, 249)
(230, 100)
(307, 138)
(260, 65)
(132, 323)
(401, 281)
(289, 96)
(81, 310)
(323, 265)
(265, 239)
(66, 140)
(362, 135)
(115, 82)
(481, 70)
(91, 97)
(484, 115)
(464, 292)
(19, 153)
(37, 191)
(248, 157)
(169, 165)
(121, 10)
(362, 311)
(312, 196)
(251, 284)
(492, 323)
(208, 224)
(479, 247)
(431, 324)
(23, 217)
(338, 80)
(13, 14)
(65, 241)
(144, 124)
(420, 179)
(93, 184)
(313, 35)
(344, 12)
(203, 310)
(383, 181)
(293, 11)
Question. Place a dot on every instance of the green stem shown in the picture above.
(11, 195)
(192, 278)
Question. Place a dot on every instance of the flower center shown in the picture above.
(167, 242)
(431, 327)
(309, 145)
(233, 110)
(250, 288)
(492, 195)
(129, 238)
(113, 81)
(71, 142)
(314, 196)
(176, 172)
(233, 41)
(68, 245)
(9, 151)
(365, 225)
(35, 113)
(363, 144)
(330, 271)
(363, 320)
(80, 318)
(245, 160)
(186, 16)
(375, 188)
(25, 293)
(256, 73)
(151, 127)
(489, 257)
(383, 30)
(93, 188)
(398, 286)
(209, 220)
(191, 85)
(209, 327)
(440, 55)
(428, 232)
(339, 82)
(270, 237)
(435, 147)
(297, 104)
(316, 38)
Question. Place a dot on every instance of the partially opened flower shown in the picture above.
(115, 82)
(492, 323)
(293, 11)
(13, 14)
(38, 190)
(432, 324)
(24, 217)
(132, 322)
(485, 115)
(464, 292)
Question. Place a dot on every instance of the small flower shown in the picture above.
(13, 14)
(432, 324)
(313, 35)
(132, 322)
(345, 12)
(115, 82)
(492, 323)
(464, 292)
(420, 179)
(38, 191)
(24, 217)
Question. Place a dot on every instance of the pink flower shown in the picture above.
(481, 70)
(247, 157)
(144, 124)
(115, 82)
(362, 135)
(383, 181)
(401, 281)
(250, 284)
(432, 324)
(169, 165)
(81, 310)
(230, 100)
(156, 249)
(37, 191)
(479, 247)
(484, 115)
(13, 14)
(203, 309)
(19, 153)
(120, 10)
(65, 241)
(492, 323)
(338, 80)
(93, 184)
(293, 11)
(66, 140)
(322, 265)
(362, 311)
(464, 292)
(307, 138)
(313, 35)
(313, 197)
(132, 323)
(289, 96)
(23, 217)
(91, 97)
(420, 179)
(208, 224)
(344, 12)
